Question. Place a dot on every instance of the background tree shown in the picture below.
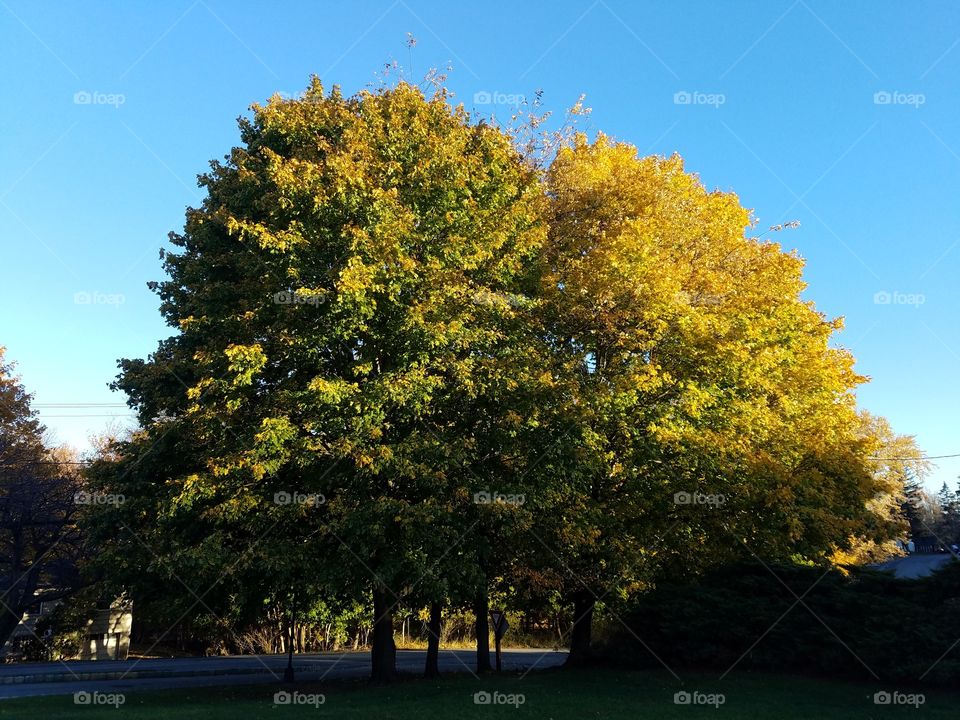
(898, 468)
(40, 546)
(948, 527)
(922, 511)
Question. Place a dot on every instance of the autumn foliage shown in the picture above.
(385, 305)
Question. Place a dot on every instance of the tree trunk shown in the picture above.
(481, 608)
(580, 637)
(8, 623)
(288, 674)
(383, 651)
(15, 600)
(432, 668)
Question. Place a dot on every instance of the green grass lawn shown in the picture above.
(556, 694)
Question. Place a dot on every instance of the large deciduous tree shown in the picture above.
(345, 302)
(700, 373)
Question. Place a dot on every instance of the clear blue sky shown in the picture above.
(783, 110)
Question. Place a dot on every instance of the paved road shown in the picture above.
(70, 677)
(916, 565)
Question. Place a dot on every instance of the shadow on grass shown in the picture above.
(561, 694)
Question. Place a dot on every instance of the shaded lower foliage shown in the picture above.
(860, 625)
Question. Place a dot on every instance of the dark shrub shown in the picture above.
(798, 619)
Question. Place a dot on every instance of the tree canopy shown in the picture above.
(411, 363)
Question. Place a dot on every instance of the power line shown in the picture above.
(48, 462)
(77, 405)
(925, 457)
(128, 415)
